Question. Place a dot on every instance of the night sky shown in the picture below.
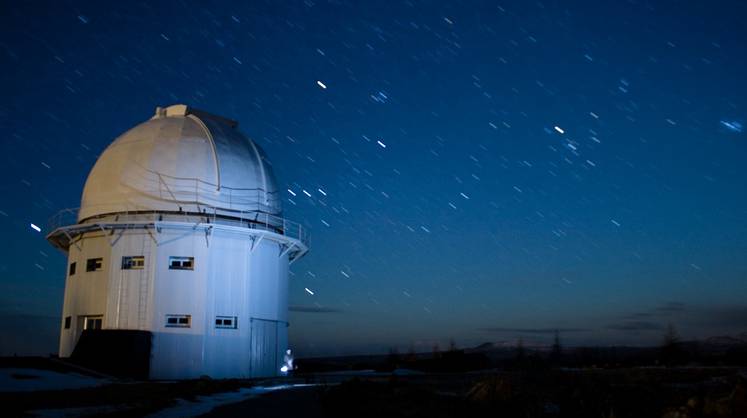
(476, 171)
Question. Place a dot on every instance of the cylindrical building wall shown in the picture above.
(229, 288)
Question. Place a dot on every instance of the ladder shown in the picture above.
(123, 316)
(144, 286)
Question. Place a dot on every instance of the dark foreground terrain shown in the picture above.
(624, 392)
(682, 392)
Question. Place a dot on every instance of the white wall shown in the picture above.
(229, 279)
(85, 292)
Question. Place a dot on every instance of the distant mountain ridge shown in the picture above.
(717, 343)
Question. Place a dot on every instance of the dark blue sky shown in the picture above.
(548, 165)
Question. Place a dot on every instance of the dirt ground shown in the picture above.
(298, 402)
(640, 393)
(684, 392)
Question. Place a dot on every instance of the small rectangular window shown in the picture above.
(181, 263)
(93, 322)
(133, 262)
(94, 264)
(68, 321)
(71, 271)
(179, 321)
(226, 322)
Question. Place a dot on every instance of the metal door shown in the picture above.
(264, 347)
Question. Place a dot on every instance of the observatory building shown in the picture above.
(178, 256)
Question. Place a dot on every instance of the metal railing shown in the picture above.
(190, 190)
(64, 217)
(247, 219)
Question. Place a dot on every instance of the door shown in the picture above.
(264, 347)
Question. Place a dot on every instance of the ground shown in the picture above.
(622, 392)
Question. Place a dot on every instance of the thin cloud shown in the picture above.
(663, 310)
(671, 307)
(638, 316)
(533, 330)
(732, 317)
(314, 309)
(636, 326)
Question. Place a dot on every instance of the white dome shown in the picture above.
(181, 160)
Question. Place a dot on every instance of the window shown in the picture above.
(179, 321)
(68, 321)
(133, 262)
(181, 263)
(94, 264)
(226, 322)
(71, 270)
(93, 322)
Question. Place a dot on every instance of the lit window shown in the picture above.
(179, 321)
(181, 263)
(71, 271)
(133, 262)
(68, 321)
(94, 264)
(93, 322)
(226, 322)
